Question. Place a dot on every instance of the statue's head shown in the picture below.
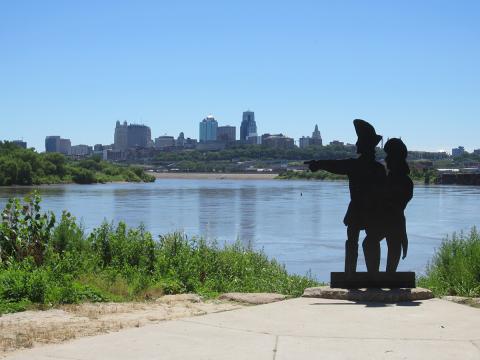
(367, 137)
(396, 158)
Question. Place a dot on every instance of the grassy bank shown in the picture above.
(422, 177)
(308, 175)
(455, 268)
(27, 167)
(45, 262)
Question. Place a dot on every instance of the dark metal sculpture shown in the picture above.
(377, 206)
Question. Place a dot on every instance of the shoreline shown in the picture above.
(215, 176)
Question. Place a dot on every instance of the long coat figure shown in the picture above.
(366, 176)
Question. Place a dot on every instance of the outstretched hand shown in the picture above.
(313, 165)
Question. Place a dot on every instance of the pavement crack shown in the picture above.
(275, 349)
(474, 343)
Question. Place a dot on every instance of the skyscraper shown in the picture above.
(52, 144)
(131, 136)
(120, 140)
(208, 129)
(248, 126)
(316, 137)
(226, 133)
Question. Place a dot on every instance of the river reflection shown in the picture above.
(297, 222)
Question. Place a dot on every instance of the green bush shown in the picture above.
(455, 268)
(25, 167)
(120, 263)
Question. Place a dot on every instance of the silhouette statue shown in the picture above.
(366, 176)
(377, 206)
(399, 191)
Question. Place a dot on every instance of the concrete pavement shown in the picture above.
(303, 328)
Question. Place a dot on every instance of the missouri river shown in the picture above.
(299, 223)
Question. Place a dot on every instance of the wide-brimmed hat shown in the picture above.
(366, 132)
(396, 148)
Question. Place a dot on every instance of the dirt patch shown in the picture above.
(30, 328)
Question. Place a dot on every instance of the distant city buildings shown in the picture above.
(316, 139)
(20, 143)
(57, 144)
(133, 142)
(278, 141)
(208, 129)
(304, 142)
(164, 142)
(458, 151)
(249, 126)
(81, 150)
(226, 133)
(132, 136)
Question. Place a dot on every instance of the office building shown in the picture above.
(304, 142)
(248, 126)
(65, 146)
(81, 150)
(52, 143)
(278, 141)
(226, 133)
(316, 138)
(208, 129)
(57, 144)
(459, 151)
(20, 143)
(132, 136)
(164, 142)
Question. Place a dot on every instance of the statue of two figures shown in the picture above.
(378, 200)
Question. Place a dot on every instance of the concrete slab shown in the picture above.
(170, 340)
(371, 349)
(293, 329)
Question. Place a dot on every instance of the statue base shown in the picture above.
(359, 280)
(369, 295)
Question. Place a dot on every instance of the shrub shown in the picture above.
(455, 268)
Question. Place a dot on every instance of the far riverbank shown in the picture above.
(215, 176)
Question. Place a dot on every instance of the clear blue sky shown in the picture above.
(411, 68)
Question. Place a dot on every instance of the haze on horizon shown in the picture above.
(74, 69)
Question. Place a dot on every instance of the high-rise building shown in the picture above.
(316, 138)
(226, 133)
(20, 143)
(165, 141)
(459, 151)
(65, 146)
(476, 151)
(57, 144)
(81, 150)
(248, 126)
(304, 142)
(52, 144)
(120, 141)
(180, 142)
(208, 129)
(131, 136)
(278, 141)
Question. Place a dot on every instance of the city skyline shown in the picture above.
(409, 68)
(154, 136)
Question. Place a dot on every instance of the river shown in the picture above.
(299, 223)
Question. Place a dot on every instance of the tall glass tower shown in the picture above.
(208, 129)
(249, 126)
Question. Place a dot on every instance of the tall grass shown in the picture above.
(455, 268)
(45, 262)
